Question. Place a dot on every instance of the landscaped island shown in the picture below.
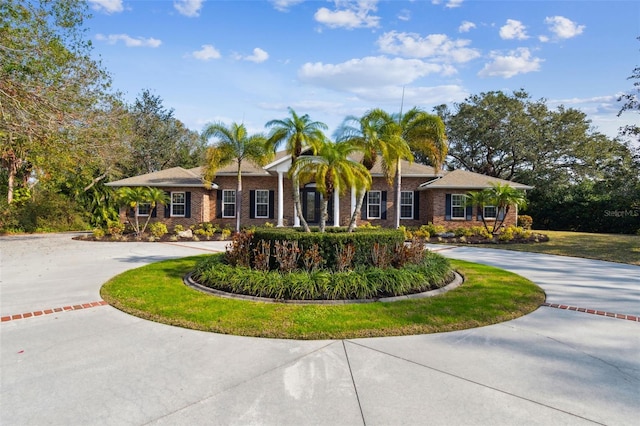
(287, 264)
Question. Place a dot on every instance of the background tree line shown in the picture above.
(64, 132)
(582, 179)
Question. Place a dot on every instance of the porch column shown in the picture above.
(280, 199)
(353, 200)
(336, 209)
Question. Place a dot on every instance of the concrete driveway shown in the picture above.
(67, 359)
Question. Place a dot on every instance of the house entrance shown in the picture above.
(312, 206)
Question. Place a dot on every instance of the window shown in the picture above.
(262, 203)
(228, 203)
(178, 204)
(490, 212)
(406, 205)
(374, 198)
(144, 209)
(457, 206)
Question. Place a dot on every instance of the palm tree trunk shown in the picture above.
(298, 204)
(357, 211)
(239, 198)
(323, 213)
(398, 192)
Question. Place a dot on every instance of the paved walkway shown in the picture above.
(97, 365)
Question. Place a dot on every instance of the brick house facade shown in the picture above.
(426, 197)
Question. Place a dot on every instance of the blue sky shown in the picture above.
(247, 61)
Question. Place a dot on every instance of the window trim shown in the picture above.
(256, 204)
(223, 203)
(461, 205)
(484, 214)
(184, 204)
(410, 217)
(379, 204)
(138, 205)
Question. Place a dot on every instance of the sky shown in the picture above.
(248, 61)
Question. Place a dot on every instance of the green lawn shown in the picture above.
(156, 292)
(611, 247)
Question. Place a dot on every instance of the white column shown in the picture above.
(336, 209)
(280, 199)
(353, 200)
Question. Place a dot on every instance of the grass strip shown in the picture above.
(156, 292)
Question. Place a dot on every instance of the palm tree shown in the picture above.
(297, 132)
(234, 144)
(332, 171)
(481, 199)
(403, 134)
(362, 133)
(134, 197)
(504, 196)
(393, 148)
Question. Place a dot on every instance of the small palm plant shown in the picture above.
(502, 197)
(134, 197)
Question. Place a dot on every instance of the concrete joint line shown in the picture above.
(250, 379)
(355, 387)
(478, 383)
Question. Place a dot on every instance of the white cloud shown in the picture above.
(190, 8)
(206, 53)
(438, 46)
(450, 3)
(369, 72)
(258, 56)
(284, 5)
(563, 28)
(519, 61)
(107, 6)
(349, 15)
(466, 26)
(404, 15)
(129, 41)
(513, 30)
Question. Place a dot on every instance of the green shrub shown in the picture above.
(506, 234)
(362, 283)
(115, 228)
(480, 231)
(225, 234)
(158, 229)
(328, 242)
(98, 233)
(422, 232)
(433, 229)
(525, 221)
(178, 228)
(463, 232)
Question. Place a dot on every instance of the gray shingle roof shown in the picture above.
(462, 179)
(175, 176)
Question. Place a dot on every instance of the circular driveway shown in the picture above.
(65, 358)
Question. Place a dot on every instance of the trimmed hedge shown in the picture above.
(364, 282)
(329, 242)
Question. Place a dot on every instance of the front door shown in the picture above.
(311, 206)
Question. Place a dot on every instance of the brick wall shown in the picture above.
(437, 209)
(202, 201)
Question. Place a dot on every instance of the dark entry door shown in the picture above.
(311, 206)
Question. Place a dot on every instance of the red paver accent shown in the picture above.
(6, 318)
(593, 312)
